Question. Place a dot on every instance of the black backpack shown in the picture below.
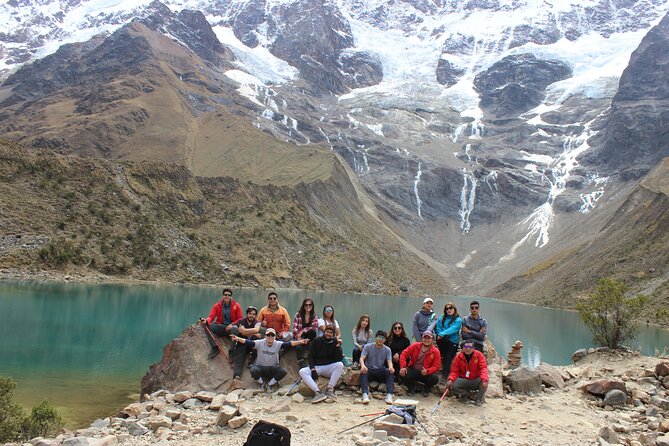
(265, 433)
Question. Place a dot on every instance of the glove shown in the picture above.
(314, 375)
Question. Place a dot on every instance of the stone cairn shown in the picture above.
(514, 356)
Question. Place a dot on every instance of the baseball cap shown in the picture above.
(428, 299)
(428, 334)
(270, 330)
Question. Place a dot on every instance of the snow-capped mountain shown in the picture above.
(483, 129)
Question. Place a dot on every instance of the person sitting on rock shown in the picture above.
(305, 326)
(221, 316)
(469, 372)
(376, 363)
(267, 371)
(474, 327)
(275, 316)
(397, 341)
(325, 355)
(420, 363)
(248, 328)
(328, 319)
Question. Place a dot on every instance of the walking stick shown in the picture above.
(440, 399)
(206, 327)
(293, 386)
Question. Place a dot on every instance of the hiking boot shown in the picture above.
(365, 398)
(320, 396)
(411, 391)
(330, 394)
(478, 403)
(389, 398)
(425, 393)
(236, 377)
(269, 388)
(213, 352)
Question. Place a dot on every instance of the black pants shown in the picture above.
(413, 376)
(448, 351)
(357, 352)
(268, 372)
(217, 329)
(239, 354)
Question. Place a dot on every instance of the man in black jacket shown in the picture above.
(325, 357)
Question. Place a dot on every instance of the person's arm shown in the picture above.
(212, 314)
(286, 320)
(414, 327)
(242, 340)
(236, 312)
(291, 344)
(389, 361)
(250, 331)
(478, 335)
(312, 355)
(355, 339)
(297, 326)
(363, 356)
(453, 328)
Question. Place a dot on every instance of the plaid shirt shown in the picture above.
(299, 329)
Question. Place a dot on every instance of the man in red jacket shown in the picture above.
(469, 372)
(420, 362)
(220, 319)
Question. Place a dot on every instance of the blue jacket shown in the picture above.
(450, 330)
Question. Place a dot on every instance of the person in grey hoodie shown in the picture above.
(423, 319)
(474, 327)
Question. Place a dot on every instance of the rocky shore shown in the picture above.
(606, 397)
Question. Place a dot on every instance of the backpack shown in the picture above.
(265, 433)
(406, 412)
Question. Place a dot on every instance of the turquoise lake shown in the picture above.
(86, 347)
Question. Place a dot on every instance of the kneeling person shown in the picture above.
(376, 362)
(420, 363)
(325, 357)
(267, 370)
(469, 372)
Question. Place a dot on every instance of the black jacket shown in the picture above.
(322, 352)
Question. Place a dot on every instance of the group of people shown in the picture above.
(383, 357)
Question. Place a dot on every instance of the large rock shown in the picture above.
(185, 366)
(550, 376)
(615, 397)
(396, 430)
(604, 386)
(662, 369)
(524, 380)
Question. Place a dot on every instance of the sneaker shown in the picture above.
(346, 362)
(478, 403)
(425, 393)
(269, 388)
(411, 391)
(355, 366)
(330, 394)
(365, 398)
(389, 398)
(236, 377)
(320, 396)
(214, 351)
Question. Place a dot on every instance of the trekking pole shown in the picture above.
(293, 386)
(358, 425)
(440, 399)
(206, 327)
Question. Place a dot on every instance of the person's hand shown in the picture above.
(235, 338)
(449, 383)
(264, 323)
(465, 329)
(423, 371)
(391, 369)
(438, 337)
(403, 371)
(364, 369)
(314, 374)
(304, 341)
(203, 320)
(396, 357)
(484, 330)
(484, 385)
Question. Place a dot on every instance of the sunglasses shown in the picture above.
(270, 335)
(467, 346)
(227, 294)
(397, 328)
(308, 305)
(271, 298)
(474, 307)
(450, 308)
(328, 310)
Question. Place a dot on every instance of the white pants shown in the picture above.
(333, 371)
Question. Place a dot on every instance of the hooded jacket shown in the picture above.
(477, 367)
(421, 322)
(216, 313)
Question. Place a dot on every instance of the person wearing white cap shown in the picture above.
(423, 319)
(267, 371)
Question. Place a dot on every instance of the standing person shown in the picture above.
(222, 315)
(397, 341)
(447, 330)
(362, 334)
(325, 357)
(305, 325)
(474, 327)
(376, 362)
(469, 372)
(329, 319)
(423, 319)
(267, 371)
(420, 363)
(275, 316)
(247, 328)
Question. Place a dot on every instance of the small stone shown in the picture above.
(155, 422)
(662, 369)
(579, 354)
(604, 386)
(609, 435)
(662, 403)
(291, 418)
(76, 441)
(159, 393)
(297, 398)
(136, 429)
(205, 396)
(132, 410)
(393, 418)
(237, 422)
(615, 397)
(226, 414)
(281, 406)
(396, 430)
(217, 402)
(247, 394)
(232, 398)
(192, 403)
(173, 414)
(180, 397)
(664, 426)
(367, 442)
(380, 435)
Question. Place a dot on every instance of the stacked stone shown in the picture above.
(514, 356)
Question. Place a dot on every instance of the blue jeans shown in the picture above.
(377, 374)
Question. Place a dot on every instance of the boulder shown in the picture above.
(662, 369)
(180, 397)
(205, 396)
(226, 414)
(662, 403)
(579, 354)
(551, 376)
(155, 422)
(352, 378)
(495, 385)
(524, 380)
(396, 430)
(604, 386)
(615, 397)
(217, 402)
(662, 441)
(237, 422)
(185, 366)
(136, 429)
(609, 435)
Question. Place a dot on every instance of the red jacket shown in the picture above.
(216, 313)
(432, 360)
(477, 366)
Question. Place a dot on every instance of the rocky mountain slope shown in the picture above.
(491, 136)
(156, 221)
